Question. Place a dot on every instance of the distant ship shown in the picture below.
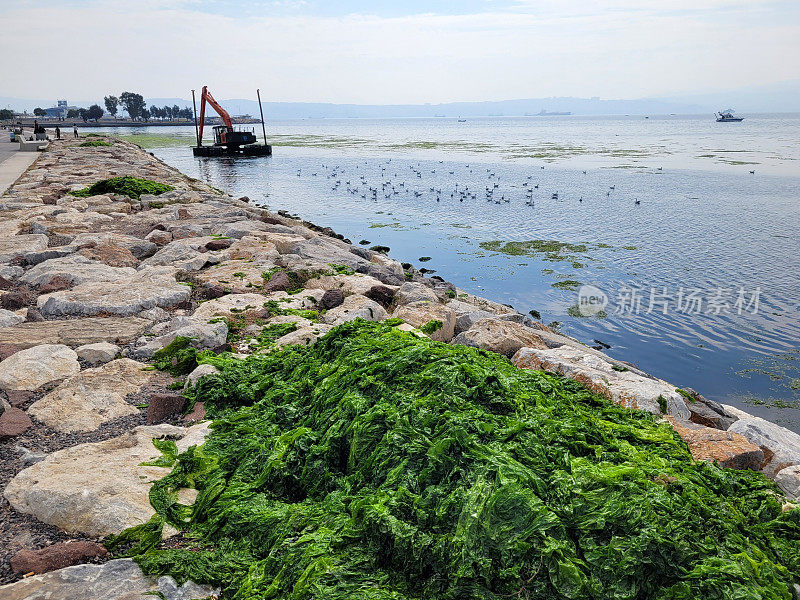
(727, 116)
(545, 113)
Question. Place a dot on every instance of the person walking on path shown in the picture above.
(58, 132)
(75, 130)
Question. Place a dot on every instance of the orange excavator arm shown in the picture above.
(205, 96)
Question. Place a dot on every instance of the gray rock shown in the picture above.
(120, 579)
(95, 396)
(200, 371)
(139, 247)
(496, 335)
(15, 246)
(99, 488)
(97, 354)
(355, 307)
(707, 412)
(788, 479)
(421, 312)
(11, 272)
(37, 366)
(76, 269)
(781, 447)
(595, 371)
(149, 287)
(34, 258)
(304, 336)
(202, 333)
(414, 292)
(9, 318)
(74, 332)
(181, 254)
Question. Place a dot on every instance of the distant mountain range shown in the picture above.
(777, 97)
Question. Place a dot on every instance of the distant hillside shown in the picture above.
(777, 97)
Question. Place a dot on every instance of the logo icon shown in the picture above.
(591, 300)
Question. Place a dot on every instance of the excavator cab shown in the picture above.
(227, 136)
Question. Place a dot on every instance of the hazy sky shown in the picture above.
(395, 52)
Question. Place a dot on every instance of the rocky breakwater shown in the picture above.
(96, 278)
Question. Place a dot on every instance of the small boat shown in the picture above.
(462, 120)
(727, 116)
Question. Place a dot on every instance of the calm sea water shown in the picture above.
(700, 276)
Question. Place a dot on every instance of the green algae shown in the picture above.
(566, 284)
(377, 465)
(93, 144)
(431, 326)
(133, 187)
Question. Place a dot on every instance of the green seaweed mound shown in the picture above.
(379, 465)
(132, 187)
(94, 144)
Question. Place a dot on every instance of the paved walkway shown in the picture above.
(12, 162)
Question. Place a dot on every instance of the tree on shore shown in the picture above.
(145, 114)
(133, 104)
(111, 103)
(176, 111)
(83, 114)
(39, 112)
(73, 113)
(94, 112)
(167, 110)
(6, 114)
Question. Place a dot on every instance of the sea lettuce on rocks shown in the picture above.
(377, 464)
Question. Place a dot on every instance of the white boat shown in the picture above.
(727, 116)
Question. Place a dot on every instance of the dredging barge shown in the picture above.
(227, 140)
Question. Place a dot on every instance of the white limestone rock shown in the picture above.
(92, 397)
(34, 367)
(100, 488)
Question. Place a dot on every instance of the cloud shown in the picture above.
(608, 48)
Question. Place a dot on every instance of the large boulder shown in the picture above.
(348, 284)
(414, 292)
(9, 318)
(92, 397)
(75, 269)
(145, 289)
(204, 335)
(781, 446)
(140, 248)
(624, 387)
(100, 488)
(728, 449)
(788, 479)
(74, 332)
(228, 305)
(355, 307)
(503, 337)
(15, 246)
(120, 579)
(423, 312)
(32, 368)
(97, 354)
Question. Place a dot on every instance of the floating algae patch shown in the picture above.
(567, 284)
(133, 187)
(160, 140)
(378, 465)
